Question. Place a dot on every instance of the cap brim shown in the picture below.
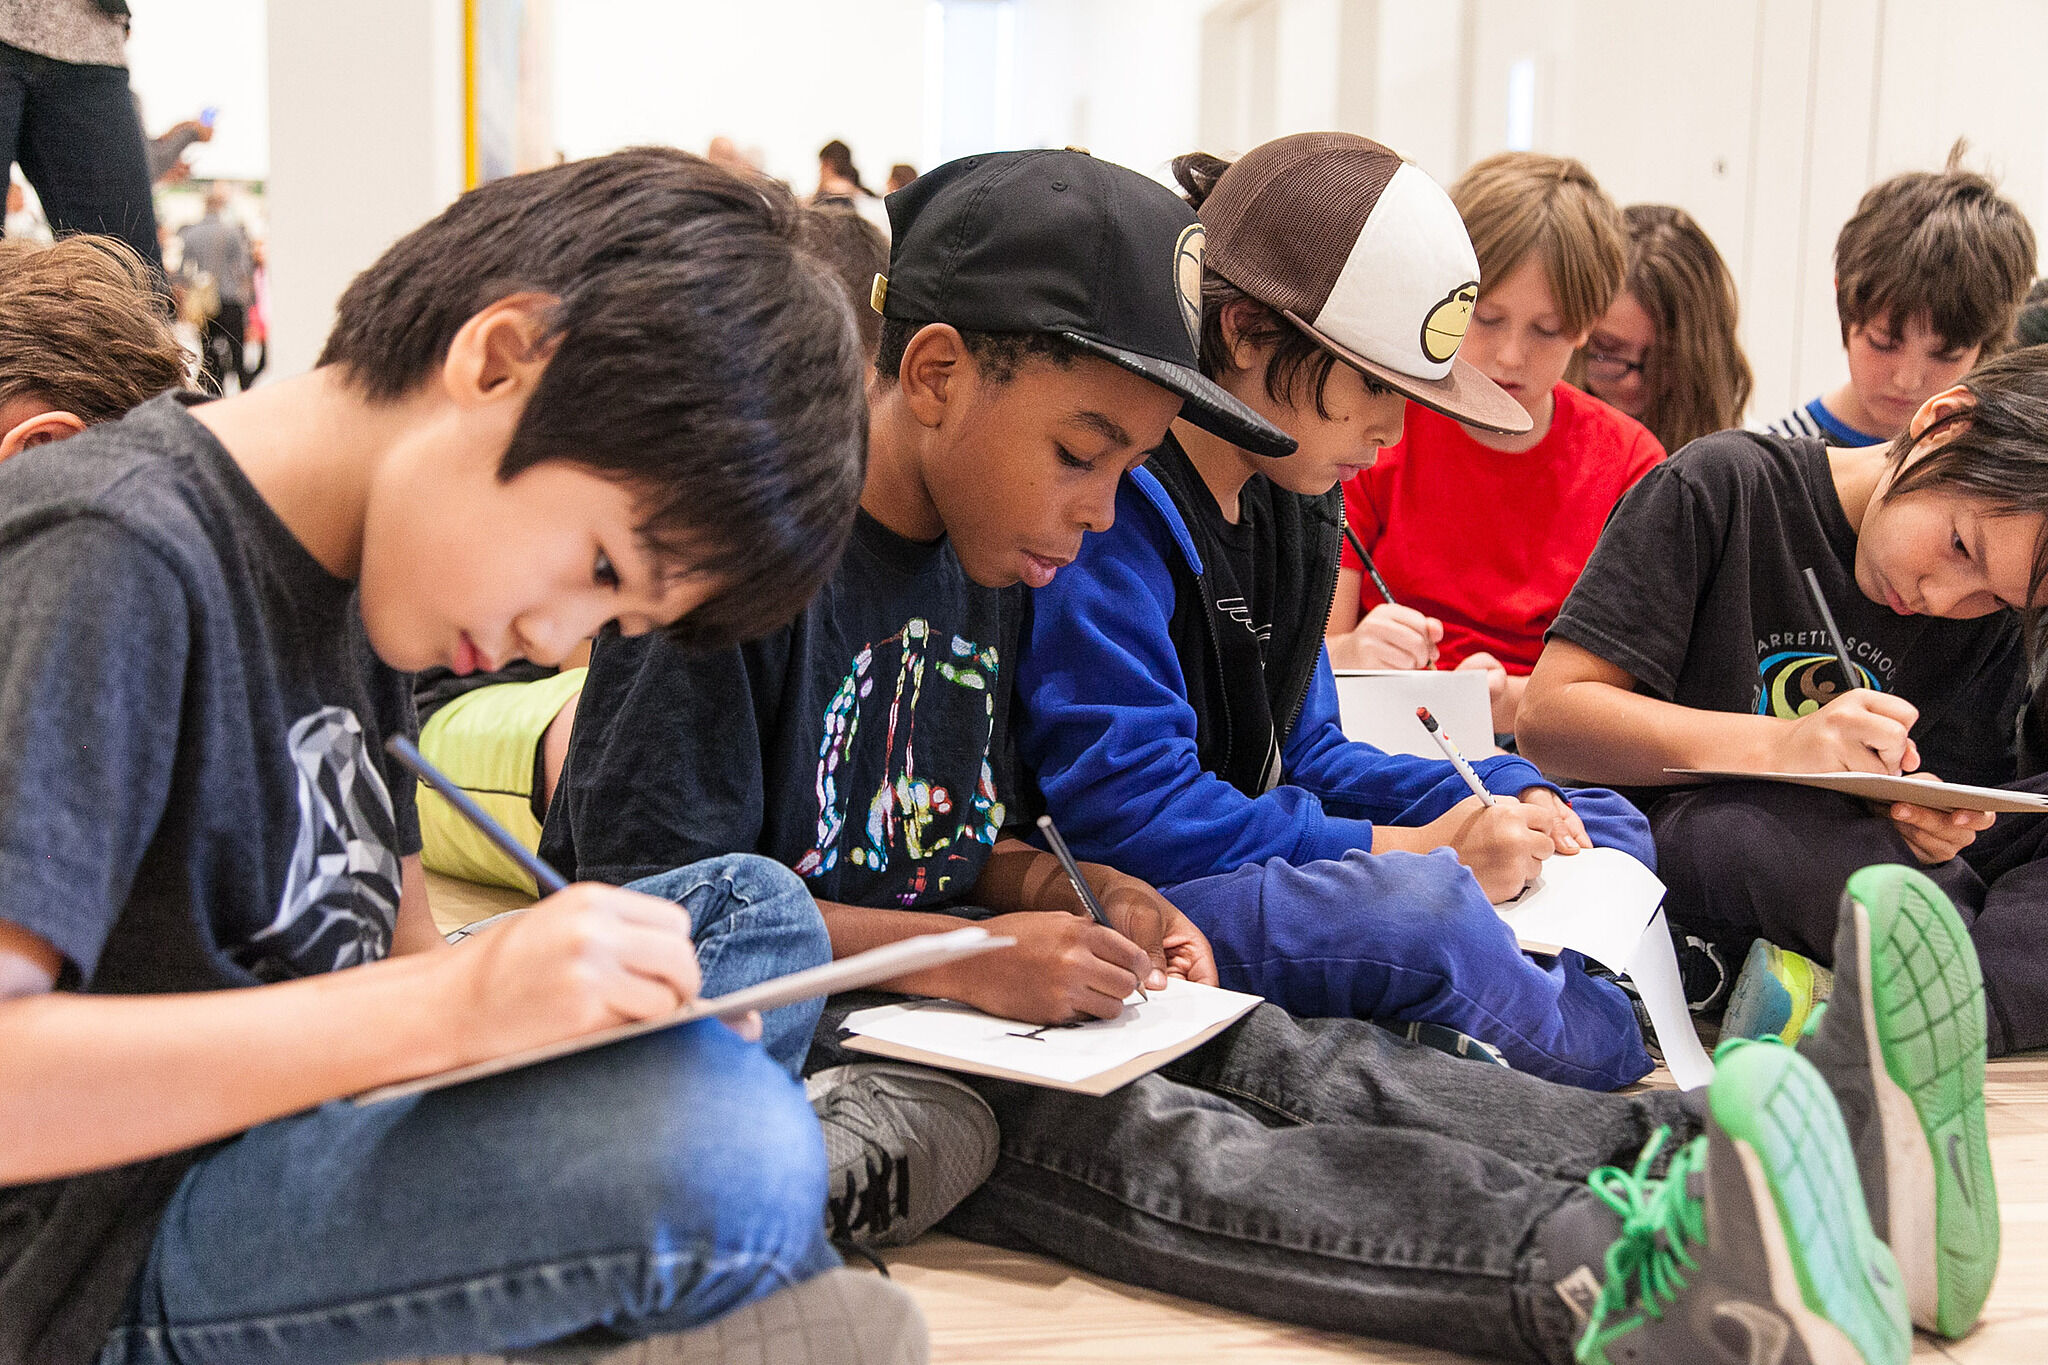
(1464, 395)
(1205, 403)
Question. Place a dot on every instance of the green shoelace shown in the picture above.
(1647, 1263)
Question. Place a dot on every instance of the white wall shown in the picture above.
(1766, 119)
(365, 145)
(187, 55)
(1116, 76)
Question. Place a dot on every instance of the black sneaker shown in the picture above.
(903, 1145)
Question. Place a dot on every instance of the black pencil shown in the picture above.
(546, 878)
(1371, 569)
(1073, 871)
(1827, 617)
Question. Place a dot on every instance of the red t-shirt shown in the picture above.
(1488, 542)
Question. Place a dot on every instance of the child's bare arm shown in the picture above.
(89, 1081)
(1582, 718)
(415, 931)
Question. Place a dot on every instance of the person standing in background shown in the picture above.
(219, 248)
(67, 115)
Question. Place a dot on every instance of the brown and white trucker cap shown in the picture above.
(1367, 255)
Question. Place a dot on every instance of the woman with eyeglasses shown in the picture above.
(1665, 352)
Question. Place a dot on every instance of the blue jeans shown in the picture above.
(1409, 937)
(73, 129)
(645, 1187)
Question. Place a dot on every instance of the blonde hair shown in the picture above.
(1522, 204)
(1695, 376)
(83, 328)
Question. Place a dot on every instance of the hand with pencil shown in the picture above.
(1502, 839)
(1860, 729)
(1390, 635)
(587, 957)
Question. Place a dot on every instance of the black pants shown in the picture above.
(74, 131)
(1746, 860)
(220, 348)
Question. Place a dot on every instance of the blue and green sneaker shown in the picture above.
(1775, 995)
(1901, 1044)
(1754, 1248)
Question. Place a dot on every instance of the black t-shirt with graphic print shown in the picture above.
(1696, 590)
(193, 793)
(866, 744)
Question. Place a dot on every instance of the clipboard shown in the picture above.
(862, 969)
(1881, 787)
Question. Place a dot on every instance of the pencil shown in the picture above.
(1443, 741)
(1372, 570)
(546, 878)
(1073, 871)
(1849, 674)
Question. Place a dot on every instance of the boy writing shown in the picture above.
(1318, 1170)
(1480, 533)
(520, 429)
(1175, 701)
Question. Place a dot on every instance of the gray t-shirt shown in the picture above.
(193, 790)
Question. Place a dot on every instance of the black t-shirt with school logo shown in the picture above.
(193, 792)
(1696, 590)
(865, 745)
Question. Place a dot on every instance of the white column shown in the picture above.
(365, 145)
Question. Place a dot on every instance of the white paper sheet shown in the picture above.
(1595, 901)
(1060, 1052)
(1654, 969)
(1378, 707)
(1605, 904)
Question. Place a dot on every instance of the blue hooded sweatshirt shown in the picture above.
(1105, 721)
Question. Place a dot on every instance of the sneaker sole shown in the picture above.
(1835, 1280)
(1924, 1016)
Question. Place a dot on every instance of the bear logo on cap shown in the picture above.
(1187, 278)
(1444, 328)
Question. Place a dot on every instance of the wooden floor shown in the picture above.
(997, 1307)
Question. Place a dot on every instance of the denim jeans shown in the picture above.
(74, 130)
(1321, 1171)
(644, 1187)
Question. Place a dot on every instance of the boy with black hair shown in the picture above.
(520, 429)
(1930, 272)
(1322, 1171)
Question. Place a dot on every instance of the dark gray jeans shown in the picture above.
(1317, 1170)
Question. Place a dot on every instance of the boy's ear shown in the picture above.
(501, 351)
(1238, 317)
(40, 430)
(1943, 404)
(937, 372)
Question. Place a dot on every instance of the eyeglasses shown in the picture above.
(1610, 369)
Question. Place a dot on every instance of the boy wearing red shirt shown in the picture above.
(1480, 536)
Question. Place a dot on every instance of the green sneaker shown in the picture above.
(1755, 1247)
(1776, 994)
(1901, 1044)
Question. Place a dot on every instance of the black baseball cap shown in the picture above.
(1061, 243)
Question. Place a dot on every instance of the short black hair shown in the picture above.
(702, 356)
(999, 354)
